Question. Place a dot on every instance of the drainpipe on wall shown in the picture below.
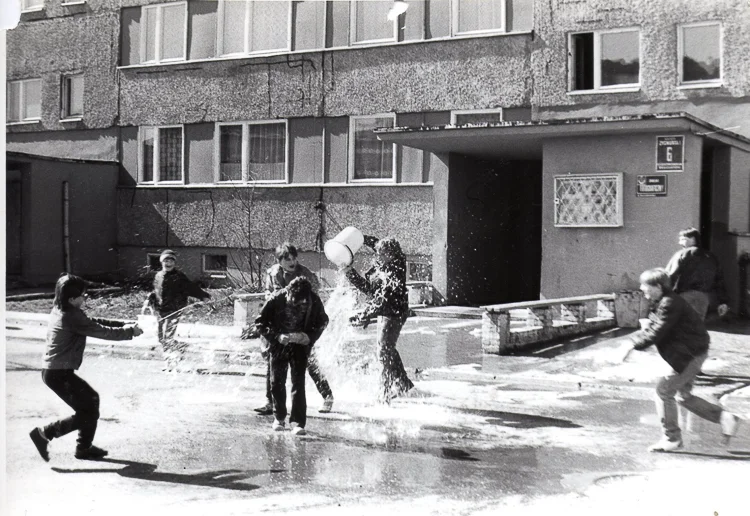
(66, 226)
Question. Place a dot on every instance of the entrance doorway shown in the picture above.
(13, 220)
(494, 230)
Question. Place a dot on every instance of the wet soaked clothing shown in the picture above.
(693, 268)
(278, 278)
(394, 380)
(677, 331)
(385, 284)
(171, 291)
(81, 397)
(66, 336)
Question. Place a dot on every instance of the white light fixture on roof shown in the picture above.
(397, 10)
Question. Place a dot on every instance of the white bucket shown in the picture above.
(148, 323)
(342, 248)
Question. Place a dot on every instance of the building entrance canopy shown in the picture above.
(522, 140)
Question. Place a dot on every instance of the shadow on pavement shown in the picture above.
(224, 479)
(732, 455)
(512, 419)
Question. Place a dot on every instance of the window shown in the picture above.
(32, 5)
(24, 100)
(248, 26)
(476, 116)
(160, 154)
(370, 21)
(164, 33)
(699, 47)
(605, 60)
(214, 263)
(153, 262)
(419, 271)
(477, 16)
(370, 159)
(252, 151)
(588, 201)
(72, 96)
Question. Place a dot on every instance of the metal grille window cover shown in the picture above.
(588, 200)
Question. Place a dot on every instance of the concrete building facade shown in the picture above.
(238, 125)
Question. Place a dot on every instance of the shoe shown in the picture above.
(278, 426)
(298, 430)
(265, 410)
(729, 424)
(41, 442)
(327, 405)
(665, 445)
(90, 453)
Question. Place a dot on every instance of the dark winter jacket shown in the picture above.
(385, 284)
(66, 336)
(277, 278)
(271, 319)
(694, 268)
(171, 291)
(677, 331)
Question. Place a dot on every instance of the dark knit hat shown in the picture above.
(167, 253)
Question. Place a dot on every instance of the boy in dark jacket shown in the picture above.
(385, 284)
(681, 338)
(169, 298)
(292, 320)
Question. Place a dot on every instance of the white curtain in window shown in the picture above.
(371, 20)
(373, 158)
(150, 26)
(269, 25)
(31, 4)
(75, 95)
(14, 101)
(230, 150)
(480, 15)
(170, 154)
(233, 41)
(267, 152)
(32, 96)
(173, 32)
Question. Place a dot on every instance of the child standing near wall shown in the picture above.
(67, 330)
(169, 298)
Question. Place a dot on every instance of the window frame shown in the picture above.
(157, 169)
(619, 179)
(72, 3)
(351, 138)
(149, 256)
(353, 29)
(157, 38)
(489, 111)
(245, 164)
(220, 54)
(597, 57)
(213, 271)
(65, 115)
(21, 98)
(33, 9)
(455, 13)
(711, 83)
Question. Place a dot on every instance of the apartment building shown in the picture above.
(516, 148)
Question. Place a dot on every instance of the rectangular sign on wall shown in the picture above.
(670, 153)
(651, 186)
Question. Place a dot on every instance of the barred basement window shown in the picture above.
(214, 263)
(588, 201)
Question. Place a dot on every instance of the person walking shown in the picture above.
(67, 330)
(680, 336)
(292, 320)
(278, 277)
(385, 285)
(696, 275)
(172, 288)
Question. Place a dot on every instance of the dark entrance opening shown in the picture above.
(494, 252)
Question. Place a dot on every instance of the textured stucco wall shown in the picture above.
(580, 261)
(223, 217)
(658, 36)
(47, 48)
(95, 144)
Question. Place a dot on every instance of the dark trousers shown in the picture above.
(315, 373)
(81, 397)
(282, 358)
(394, 380)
